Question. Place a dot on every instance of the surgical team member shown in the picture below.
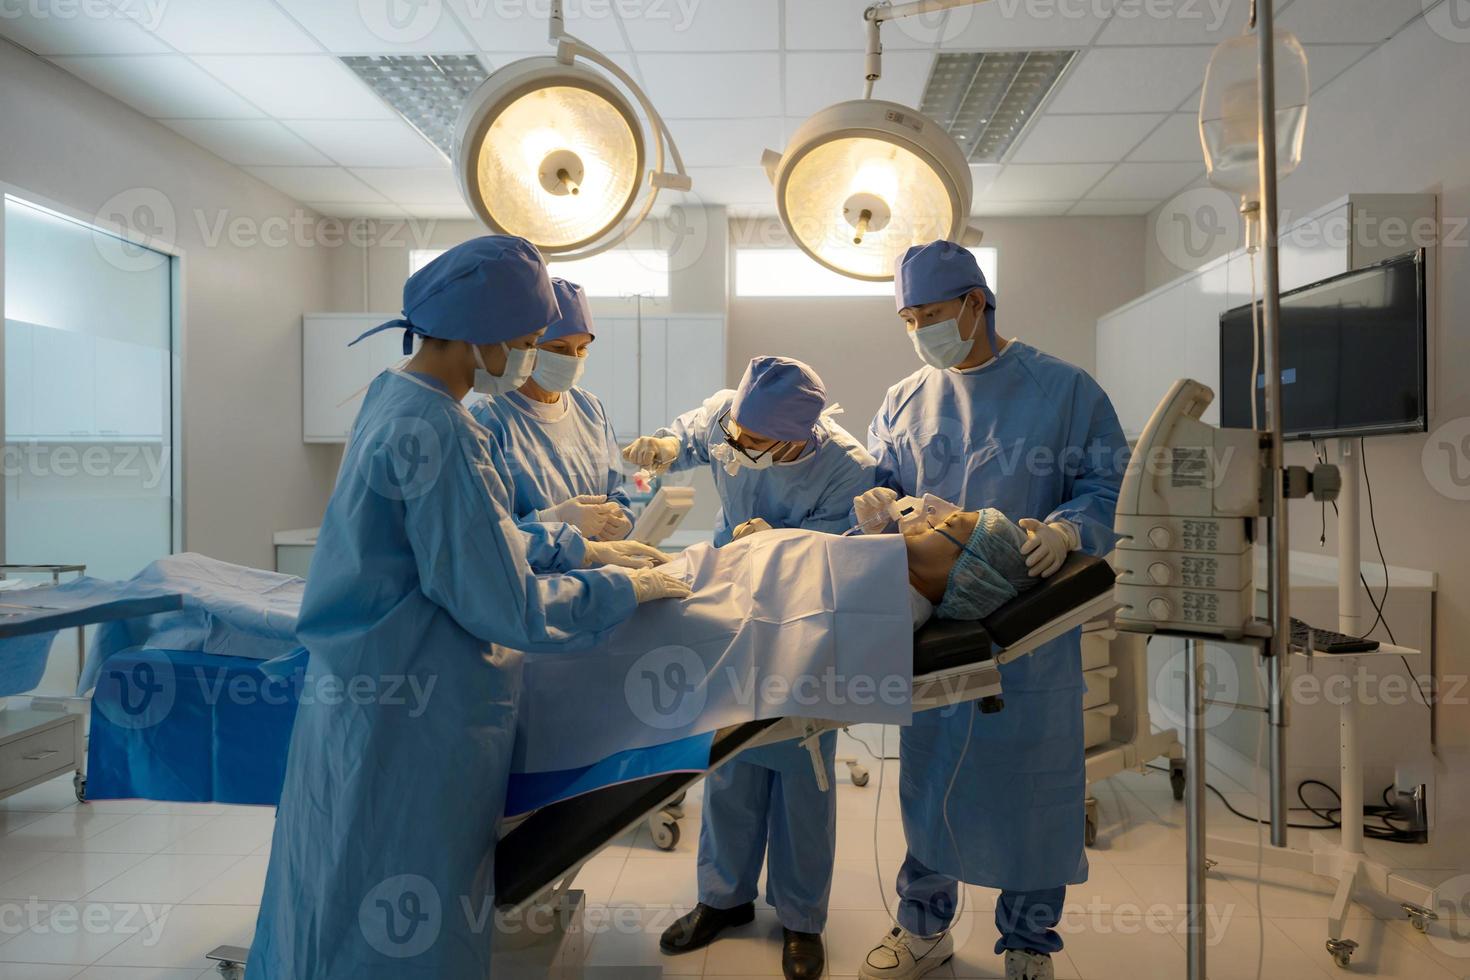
(555, 436)
(993, 799)
(381, 864)
(779, 461)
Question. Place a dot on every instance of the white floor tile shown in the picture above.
(139, 973)
(147, 833)
(184, 936)
(657, 883)
(11, 820)
(627, 936)
(241, 884)
(48, 797)
(232, 833)
(163, 879)
(753, 950)
(79, 933)
(65, 830)
(40, 971)
(1129, 951)
(67, 876)
(1382, 950)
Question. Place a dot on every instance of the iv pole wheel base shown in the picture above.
(1342, 951)
(1419, 916)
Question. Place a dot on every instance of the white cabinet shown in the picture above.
(334, 376)
(62, 385)
(645, 371)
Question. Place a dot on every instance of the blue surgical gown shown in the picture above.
(814, 492)
(1031, 436)
(766, 803)
(382, 861)
(554, 452)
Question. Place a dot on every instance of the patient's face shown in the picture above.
(932, 555)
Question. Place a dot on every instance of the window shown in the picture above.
(618, 272)
(791, 272)
(89, 396)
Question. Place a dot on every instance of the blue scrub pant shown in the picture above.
(755, 813)
(1025, 920)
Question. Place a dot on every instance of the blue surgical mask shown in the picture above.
(519, 362)
(939, 345)
(558, 372)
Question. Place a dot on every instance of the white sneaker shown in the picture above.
(904, 956)
(1023, 964)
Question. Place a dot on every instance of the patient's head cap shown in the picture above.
(779, 398)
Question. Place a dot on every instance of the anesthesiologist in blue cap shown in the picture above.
(993, 799)
(419, 607)
(778, 461)
(555, 436)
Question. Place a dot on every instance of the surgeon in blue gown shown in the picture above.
(992, 423)
(557, 442)
(778, 461)
(418, 609)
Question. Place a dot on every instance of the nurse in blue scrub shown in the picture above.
(555, 437)
(993, 799)
(382, 862)
(778, 461)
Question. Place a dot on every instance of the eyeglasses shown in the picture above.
(730, 441)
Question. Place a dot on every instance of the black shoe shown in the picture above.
(802, 956)
(702, 926)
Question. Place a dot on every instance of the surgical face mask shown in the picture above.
(519, 362)
(733, 460)
(939, 345)
(558, 372)
(931, 512)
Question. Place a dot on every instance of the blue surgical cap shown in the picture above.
(939, 271)
(487, 290)
(576, 312)
(779, 398)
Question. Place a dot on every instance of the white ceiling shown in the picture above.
(257, 82)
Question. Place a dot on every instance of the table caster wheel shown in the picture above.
(665, 831)
(1419, 916)
(231, 971)
(1342, 951)
(79, 786)
(860, 776)
(1089, 829)
(1177, 780)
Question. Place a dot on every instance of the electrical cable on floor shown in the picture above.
(877, 756)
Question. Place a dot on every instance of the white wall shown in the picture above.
(246, 471)
(1397, 122)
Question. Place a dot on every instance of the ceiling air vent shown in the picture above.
(986, 99)
(427, 90)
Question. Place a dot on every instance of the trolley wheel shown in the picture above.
(1342, 952)
(665, 831)
(1177, 778)
(1419, 916)
(859, 774)
(79, 786)
(1419, 923)
(1089, 833)
(231, 971)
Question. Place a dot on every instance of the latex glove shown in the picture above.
(617, 527)
(752, 526)
(1047, 545)
(624, 554)
(592, 514)
(650, 584)
(874, 509)
(654, 452)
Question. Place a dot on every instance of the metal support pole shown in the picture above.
(1349, 621)
(1194, 808)
(1278, 541)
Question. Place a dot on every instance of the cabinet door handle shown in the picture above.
(39, 756)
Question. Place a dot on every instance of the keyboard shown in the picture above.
(1327, 641)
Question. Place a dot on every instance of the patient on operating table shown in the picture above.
(966, 563)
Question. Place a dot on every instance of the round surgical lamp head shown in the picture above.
(1229, 112)
(862, 181)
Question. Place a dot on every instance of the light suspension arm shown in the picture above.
(873, 18)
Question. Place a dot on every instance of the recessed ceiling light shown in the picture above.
(986, 99)
(427, 90)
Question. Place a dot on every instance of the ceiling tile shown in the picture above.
(337, 209)
(1176, 141)
(1045, 181)
(1083, 139)
(368, 28)
(318, 184)
(815, 80)
(160, 85)
(297, 86)
(982, 175)
(1016, 24)
(1326, 61)
(1105, 208)
(1131, 80)
(986, 208)
(249, 142)
(1145, 181)
(1348, 21)
(705, 86)
(521, 25)
(667, 25)
(420, 185)
(1174, 21)
(230, 27)
(733, 185)
(726, 142)
(837, 25)
(369, 142)
(440, 212)
(116, 33)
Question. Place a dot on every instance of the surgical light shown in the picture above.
(554, 150)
